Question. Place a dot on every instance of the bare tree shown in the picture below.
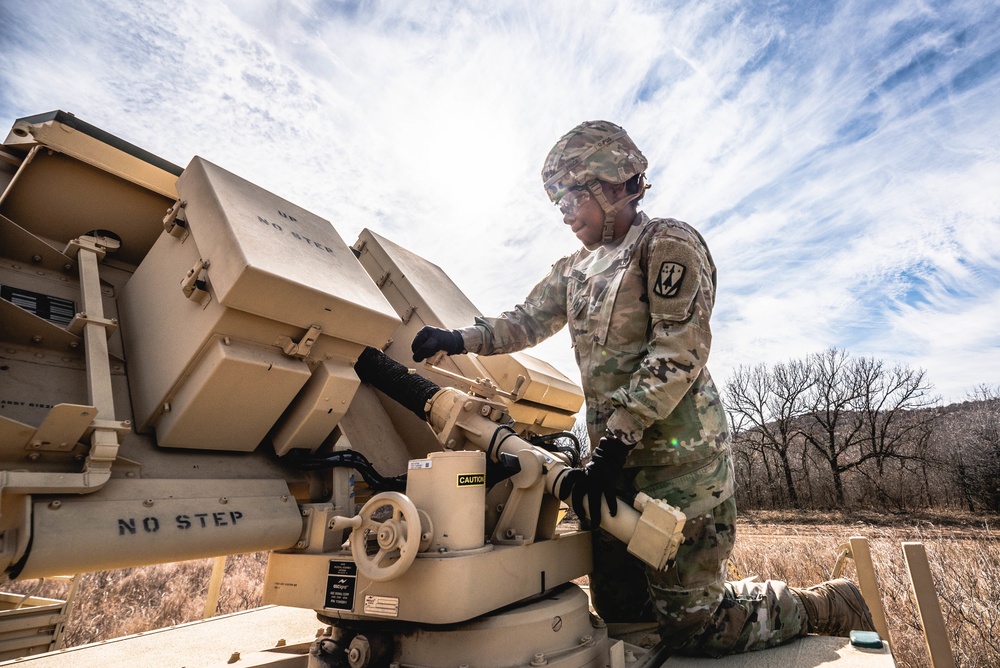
(767, 405)
(886, 400)
(895, 429)
(582, 435)
(976, 453)
(832, 427)
(829, 420)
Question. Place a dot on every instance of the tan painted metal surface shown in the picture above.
(200, 644)
(808, 652)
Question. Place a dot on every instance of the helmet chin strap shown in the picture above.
(611, 210)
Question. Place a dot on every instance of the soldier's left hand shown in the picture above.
(595, 481)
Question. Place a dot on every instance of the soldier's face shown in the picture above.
(585, 217)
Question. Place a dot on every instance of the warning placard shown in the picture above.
(471, 479)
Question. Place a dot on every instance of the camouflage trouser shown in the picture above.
(698, 612)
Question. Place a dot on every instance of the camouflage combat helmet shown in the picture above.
(592, 152)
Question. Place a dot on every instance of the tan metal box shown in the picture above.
(274, 259)
(227, 381)
(229, 315)
(422, 294)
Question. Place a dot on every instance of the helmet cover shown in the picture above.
(592, 150)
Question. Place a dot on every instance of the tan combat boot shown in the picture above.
(835, 608)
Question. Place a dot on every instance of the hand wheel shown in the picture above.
(397, 537)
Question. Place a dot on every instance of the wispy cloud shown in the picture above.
(840, 157)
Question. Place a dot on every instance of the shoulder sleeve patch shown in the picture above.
(673, 278)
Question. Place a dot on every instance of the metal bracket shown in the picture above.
(194, 286)
(303, 347)
(482, 387)
(81, 320)
(99, 246)
(62, 428)
(175, 223)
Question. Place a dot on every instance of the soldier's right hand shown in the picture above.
(432, 340)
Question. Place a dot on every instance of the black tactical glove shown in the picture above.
(597, 479)
(431, 340)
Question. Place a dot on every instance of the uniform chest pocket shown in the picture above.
(628, 324)
(579, 315)
(608, 311)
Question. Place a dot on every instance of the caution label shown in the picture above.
(471, 479)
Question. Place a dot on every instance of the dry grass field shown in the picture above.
(964, 552)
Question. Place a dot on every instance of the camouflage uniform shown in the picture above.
(638, 310)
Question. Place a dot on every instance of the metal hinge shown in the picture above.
(300, 348)
(175, 222)
(194, 286)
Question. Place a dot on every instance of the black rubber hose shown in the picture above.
(396, 381)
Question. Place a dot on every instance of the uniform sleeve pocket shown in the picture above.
(674, 276)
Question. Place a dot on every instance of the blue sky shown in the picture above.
(841, 158)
